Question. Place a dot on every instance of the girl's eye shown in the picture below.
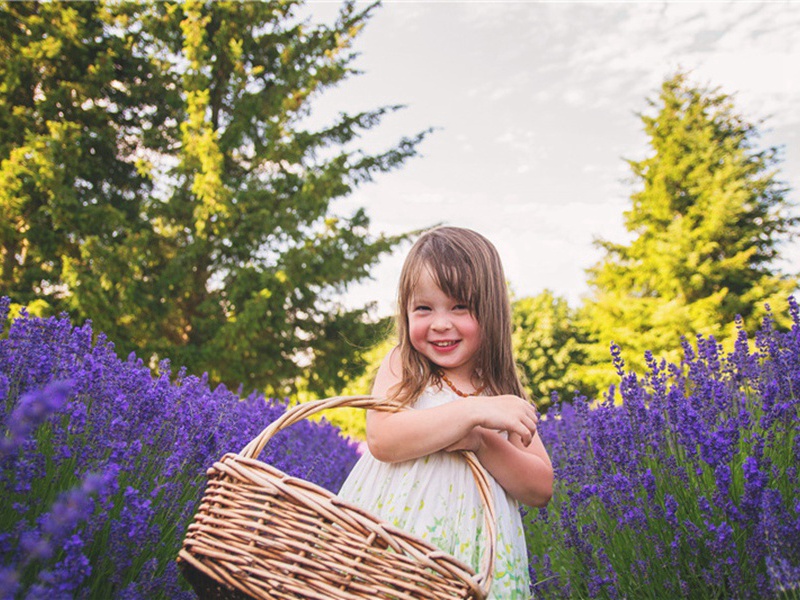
(421, 308)
(461, 307)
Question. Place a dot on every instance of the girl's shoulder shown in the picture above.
(389, 373)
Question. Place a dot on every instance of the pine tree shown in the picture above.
(706, 226)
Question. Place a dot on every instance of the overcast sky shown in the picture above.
(535, 108)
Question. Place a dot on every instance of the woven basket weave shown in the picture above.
(259, 533)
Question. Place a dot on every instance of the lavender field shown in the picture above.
(102, 464)
(687, 489)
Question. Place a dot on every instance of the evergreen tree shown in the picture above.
(224, 253)
(706, 225)
(548, 347)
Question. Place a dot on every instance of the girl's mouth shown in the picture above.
(445, 345)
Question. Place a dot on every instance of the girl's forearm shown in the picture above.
(410, 434)
(527, 475)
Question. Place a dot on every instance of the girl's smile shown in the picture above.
(445, 345)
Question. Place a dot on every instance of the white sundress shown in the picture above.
(435, 498)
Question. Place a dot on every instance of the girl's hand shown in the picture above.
(472, 441)
(508, 413)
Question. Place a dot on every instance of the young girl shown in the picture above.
(454, 366)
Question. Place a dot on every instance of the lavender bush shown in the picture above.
(102, 464)
(688, 488)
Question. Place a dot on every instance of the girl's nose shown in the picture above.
(442, 323)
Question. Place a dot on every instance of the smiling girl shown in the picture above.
(454, 367)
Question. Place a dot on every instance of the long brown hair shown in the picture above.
(466, 266)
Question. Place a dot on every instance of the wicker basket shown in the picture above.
(259, 533)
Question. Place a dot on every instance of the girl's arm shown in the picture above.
(409, 434)
(525, 472)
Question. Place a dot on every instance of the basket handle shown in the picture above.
(306, 409)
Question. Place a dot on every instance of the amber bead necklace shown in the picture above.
(452, 386)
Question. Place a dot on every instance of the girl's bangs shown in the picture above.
(457, 281)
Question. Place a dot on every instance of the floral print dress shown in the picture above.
(435, 498)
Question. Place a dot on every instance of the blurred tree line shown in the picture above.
(158, 176)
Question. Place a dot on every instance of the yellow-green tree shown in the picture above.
(706, 221)
(78, 101)
(548, 347)
(163, 180)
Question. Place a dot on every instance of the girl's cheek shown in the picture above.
(417, 332)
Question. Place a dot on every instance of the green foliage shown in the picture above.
(706, 222)
(161, 179)
(72, 106)
(547, 345)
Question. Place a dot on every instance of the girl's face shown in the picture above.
(443, 329)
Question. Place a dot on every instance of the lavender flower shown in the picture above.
(32, 410)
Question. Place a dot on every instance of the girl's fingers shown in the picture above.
(514, 415)
(531, 426)
(526, 434)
